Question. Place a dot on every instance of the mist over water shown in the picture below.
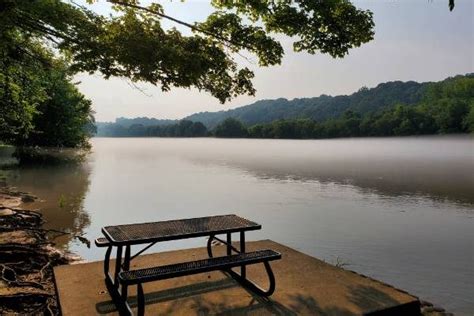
(398, 209)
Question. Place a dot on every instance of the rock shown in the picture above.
(59, 257)
(425, 303)
(438, 309)
(22, 237)
(9, 201)
(27, 198)
(433, 311)
(21, 291)
(6, 212)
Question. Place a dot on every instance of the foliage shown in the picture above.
(132, 42)
(21, 88)
(319, 108)
(446, 107)
(145, 121)
(65, 118)
(40, 105)
(450, 103)
(183, 128)
(469, 120)
(431, 108)
(49, 155)
(438, 97)
(231, 128)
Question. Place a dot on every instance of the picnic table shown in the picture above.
(122, 237)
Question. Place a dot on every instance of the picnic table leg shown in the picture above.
(209, 245)
(254, 287)
(113, 284)
(243, 271)
(107, 261)
(229, 243)
(118, 265)
(126, 267)
(140, 300)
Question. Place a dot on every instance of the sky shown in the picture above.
(417, 40)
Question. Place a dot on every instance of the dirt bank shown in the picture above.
(27, 256)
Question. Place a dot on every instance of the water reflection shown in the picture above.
(439, 168)
(452, 183)
(61, 191)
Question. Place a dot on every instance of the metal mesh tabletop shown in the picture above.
(177, 229)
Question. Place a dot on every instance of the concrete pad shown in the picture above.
(304, 286)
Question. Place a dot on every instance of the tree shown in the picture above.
(350, 125)
(198, 130)
(39, 104)
(449, 102)
(469, 120)
(133, 44)
(64, 118)
(231, 128)
(185, 128)
(21, 89)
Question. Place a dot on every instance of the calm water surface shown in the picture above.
(398, 209)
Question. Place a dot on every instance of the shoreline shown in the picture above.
(28, 256)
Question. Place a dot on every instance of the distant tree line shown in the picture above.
(447, 107)
(365, 100)
(442, 107)
(320, 108)
(183, 128)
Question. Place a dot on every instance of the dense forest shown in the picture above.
(183, 128)
(445, 107)
(428, 108)
(319, 108)
(139, 126)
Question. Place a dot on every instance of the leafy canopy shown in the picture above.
(39, 104)
(132, 43)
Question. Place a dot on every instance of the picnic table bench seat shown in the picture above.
(224, 263)
(102, 242)
(197, 266)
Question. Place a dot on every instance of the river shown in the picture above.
(397, 209)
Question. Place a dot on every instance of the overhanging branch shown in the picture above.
(191, 26)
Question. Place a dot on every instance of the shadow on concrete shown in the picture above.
(367, 298)
(380, 303)
(257, 304)
(307, 305)
(170, 294)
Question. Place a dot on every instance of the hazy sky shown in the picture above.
(415, 40)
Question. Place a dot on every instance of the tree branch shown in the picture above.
(192, 27)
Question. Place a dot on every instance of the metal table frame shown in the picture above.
(119, 292)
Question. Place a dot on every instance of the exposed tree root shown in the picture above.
(27, 258)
